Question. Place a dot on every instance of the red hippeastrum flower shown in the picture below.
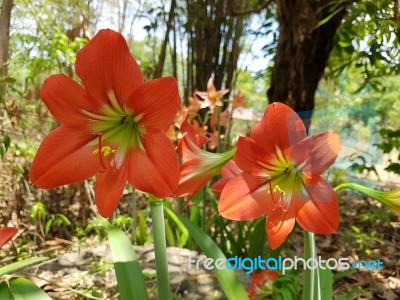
(229, 171)
(262, 284)
(212, 97)
(198, 166)
(7, 234)
(113, 126)
(282, 177)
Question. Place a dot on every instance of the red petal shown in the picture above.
(157, 101)
(321, 213)
(317, 152)
(188, 129)
(155, 169)
(65, 156)
(190, 185)
(229, 171)
(109, 188)
(66, 99)
(249, 155)
(279, 224)
(105, 64)
(280, 126)
(244, 198)
(6, 234)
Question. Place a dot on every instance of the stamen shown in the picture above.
(98, 117)
(100, 135)
(114, 102)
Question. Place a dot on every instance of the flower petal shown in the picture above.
(250, 156)
(105, 64)
(157, 101)
(108, 190)
(317, 153)
(154, 169)
(65, 156)
(320, 214)
(279, 224)
(229, 171)
(280, 127)
(244, 198)
(66, 99)
(7, 234)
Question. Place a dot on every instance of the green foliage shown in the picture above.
(4, 145)
(391, 143)
(42, 218)
(129, 275)
(367, 40)
(22, 289)
(286, 287)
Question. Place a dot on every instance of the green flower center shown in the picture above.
(286, 179)
(118, 129)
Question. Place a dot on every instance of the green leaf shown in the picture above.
(5, 293)
(130, 280)
(6, 142)
(227, 278)
(257, 238)
(183, 239)
(24, 289)
(21, 264)
(7, 79)
(326, 279)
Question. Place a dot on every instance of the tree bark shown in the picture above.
(303, 50)
(170, 22)
(5, 20)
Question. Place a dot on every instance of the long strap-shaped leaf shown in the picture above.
(23, 289)
(130, 280)
(20, 264)
(227, 278)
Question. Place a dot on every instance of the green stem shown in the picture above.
(342, 187)
(133, 215)
(160, 249)
(311, 287)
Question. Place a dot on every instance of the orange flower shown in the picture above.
(238, 100)
(261, 284)
(229, 171)
(6, 234)
(112, 127)
(282, 177)
(212, 97)
(198, 166)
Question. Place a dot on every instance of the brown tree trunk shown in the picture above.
(170, 22)
(5, 18)
(214, 40)
(303, 50)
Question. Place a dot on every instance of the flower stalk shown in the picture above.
(160, 248)
(311, 286)
(390, 199)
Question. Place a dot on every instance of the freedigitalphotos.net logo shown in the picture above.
(251, 264)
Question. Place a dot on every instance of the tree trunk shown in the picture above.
(303, 50)
(170, 22)
(5, 18)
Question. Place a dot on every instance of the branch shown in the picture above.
(254, 10)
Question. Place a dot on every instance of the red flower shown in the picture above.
(212, 97)
(261, 283)
(229, 171)
(112, 127)
(282, 177)
(6, 234)
(198, 166)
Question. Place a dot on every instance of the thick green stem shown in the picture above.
(312, 286)
(160, 249)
